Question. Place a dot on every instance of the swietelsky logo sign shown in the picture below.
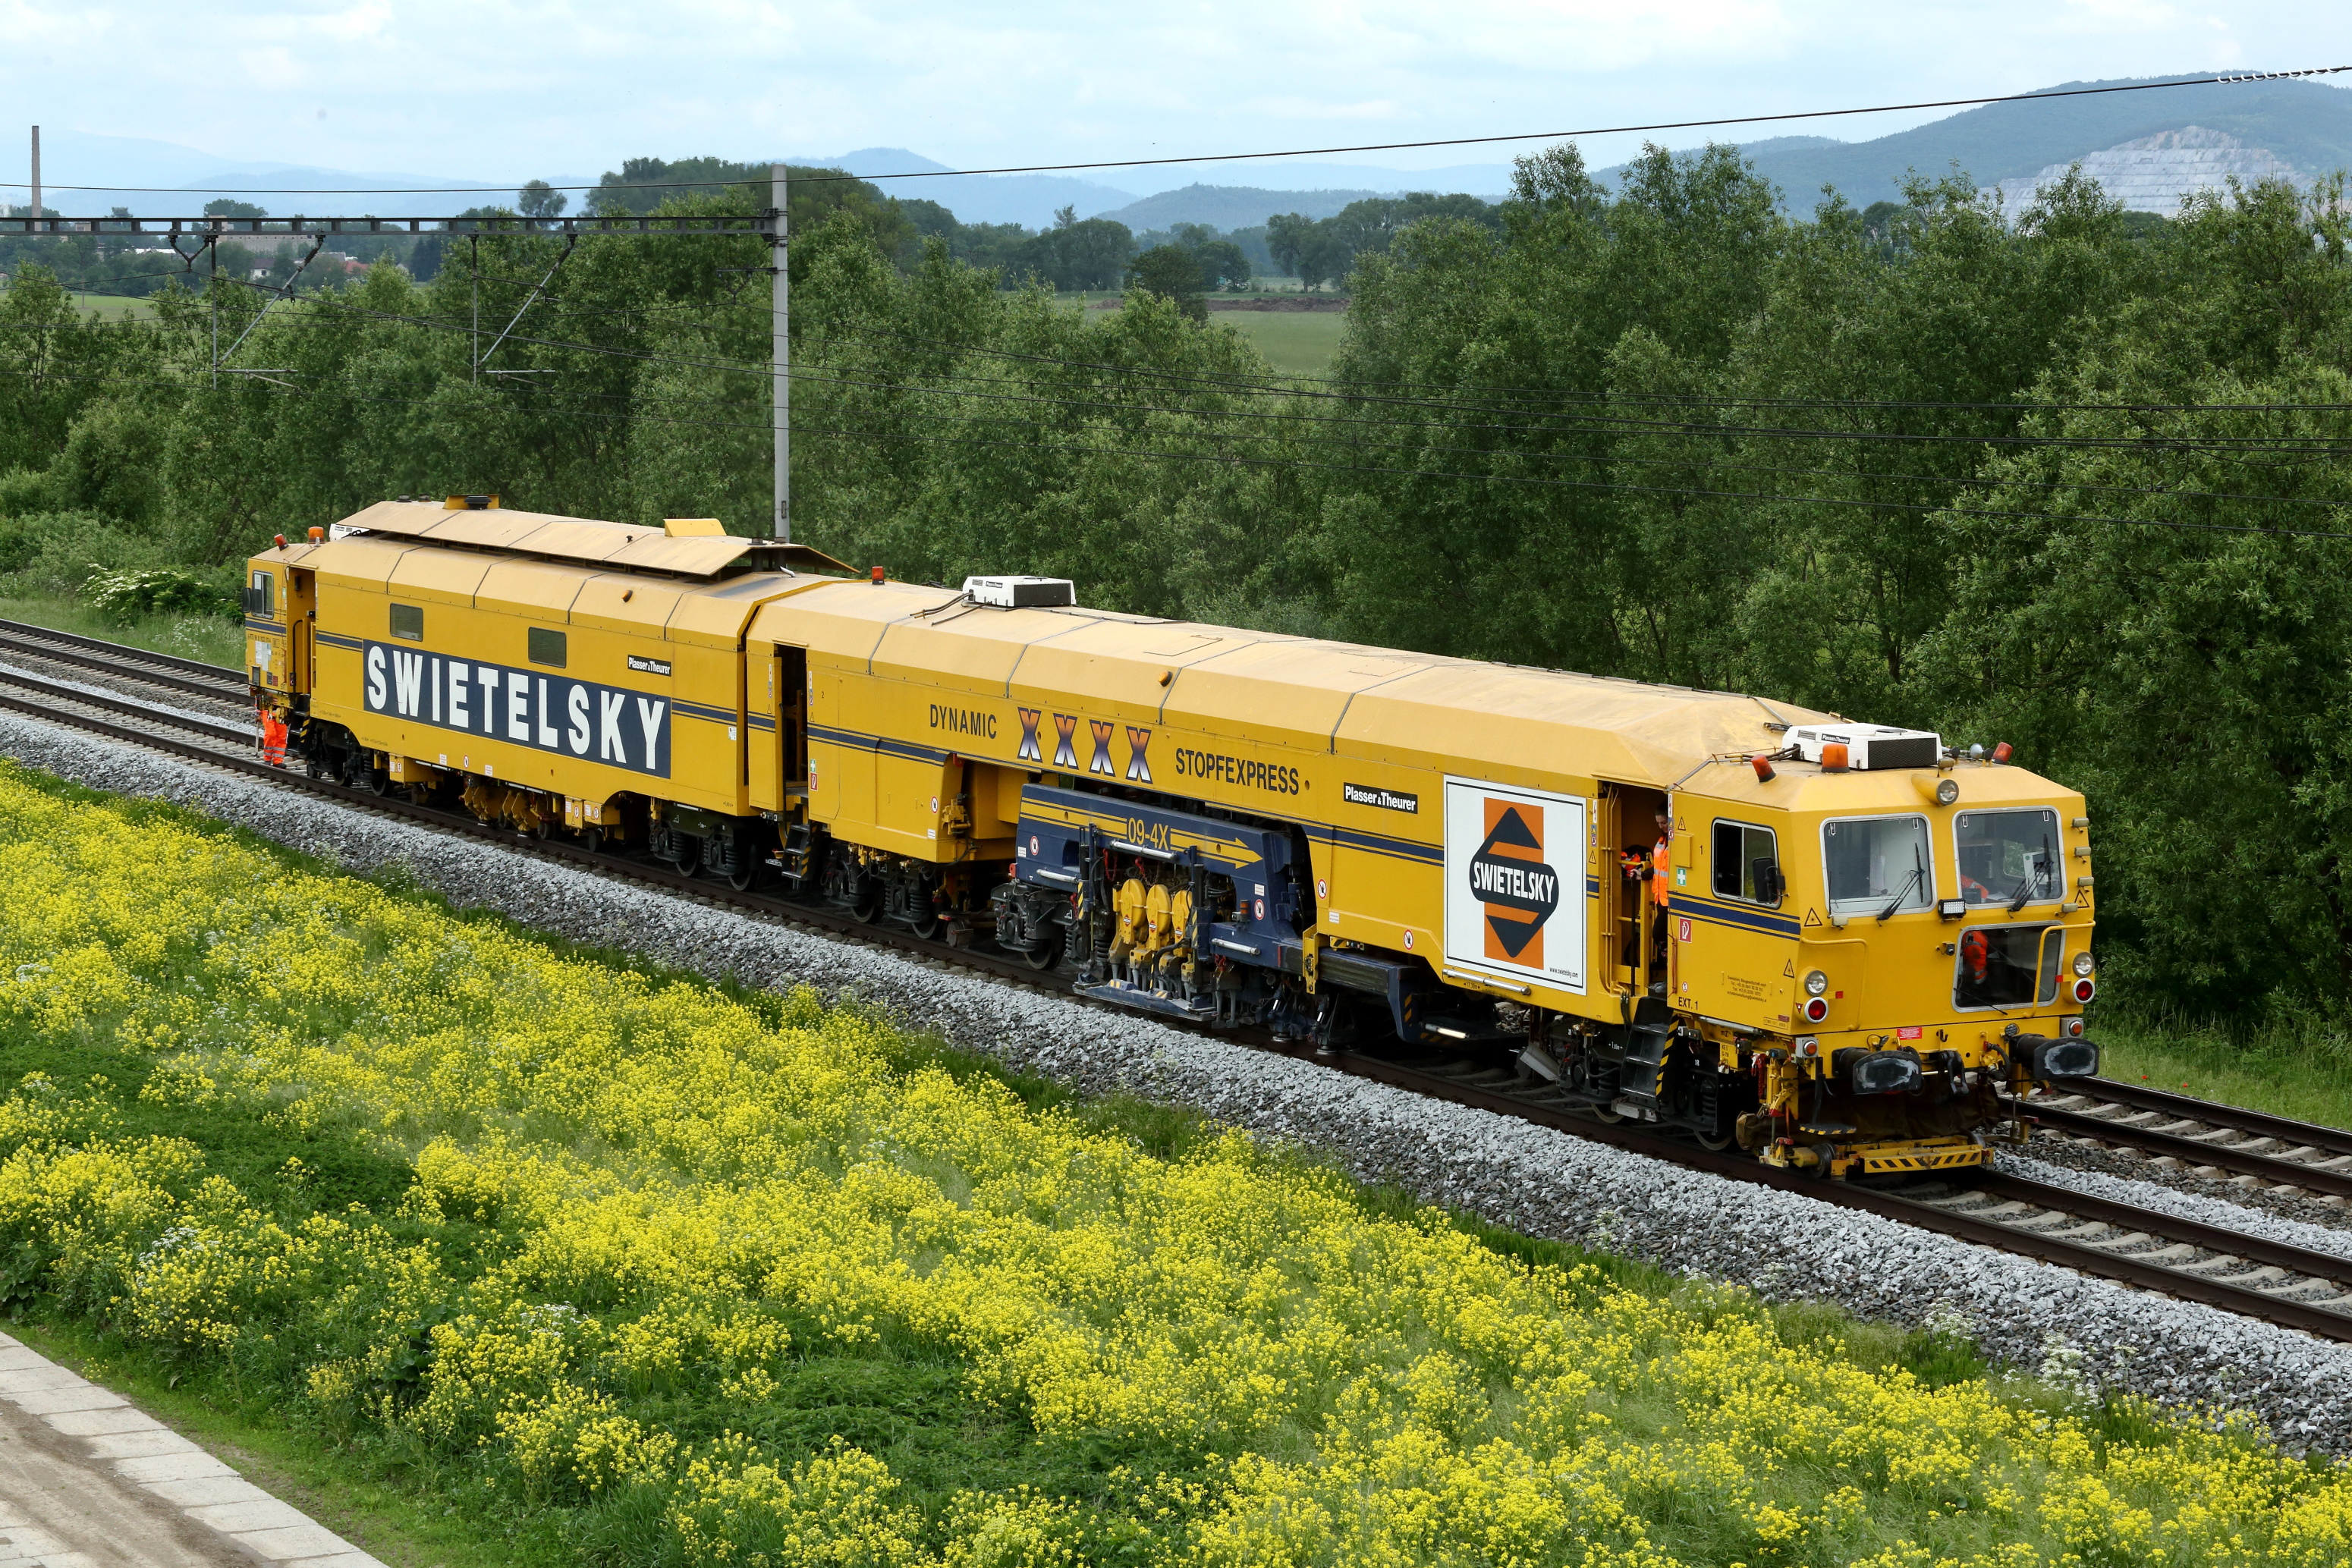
(1515, 893)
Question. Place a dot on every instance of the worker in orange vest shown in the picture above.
(273, 738)
(1658, 891)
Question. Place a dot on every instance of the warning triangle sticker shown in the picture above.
(1788, 969)
(1812, 918)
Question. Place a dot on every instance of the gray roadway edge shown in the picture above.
(114, 1437)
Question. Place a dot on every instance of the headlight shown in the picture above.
(2083, 964)
(1815, 982)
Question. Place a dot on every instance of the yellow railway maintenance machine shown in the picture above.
(1865, 936)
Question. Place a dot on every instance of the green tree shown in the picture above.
(1174, 274)
(538, 198)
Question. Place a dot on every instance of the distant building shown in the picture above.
(2154, 172)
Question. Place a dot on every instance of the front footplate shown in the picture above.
(1126, 996)
(1932, 1155)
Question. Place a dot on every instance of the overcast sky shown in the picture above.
(496, 92)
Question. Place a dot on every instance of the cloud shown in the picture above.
(497, 89)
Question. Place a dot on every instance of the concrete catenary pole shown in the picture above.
(783, 356)
(37, 176)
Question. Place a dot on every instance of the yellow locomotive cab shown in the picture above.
(1852, 941)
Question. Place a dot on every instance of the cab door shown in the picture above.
(302, 620)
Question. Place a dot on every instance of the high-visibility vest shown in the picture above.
(273, 740)
(1658, 873)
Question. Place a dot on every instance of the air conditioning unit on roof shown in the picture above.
(1021, 593)
(1869, 745)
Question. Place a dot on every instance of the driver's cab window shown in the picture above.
(1877, 865)
(2009, 857)
(1746, 863)
(262, 600)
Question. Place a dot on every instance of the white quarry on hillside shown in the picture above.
(2153, 173)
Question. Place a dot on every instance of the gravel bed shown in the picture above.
(1534, 1180)
(2131, 1165)
(2229, 1215)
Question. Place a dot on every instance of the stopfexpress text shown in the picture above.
(552, 713)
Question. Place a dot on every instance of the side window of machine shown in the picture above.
(262, 595)
(1746, 863)
(408, 622)
(1878, 865)
(547, 647)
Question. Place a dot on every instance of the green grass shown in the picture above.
(114, 307)
(2287, 1073)
(412, 1506)
(1295, 342)
(206, 637)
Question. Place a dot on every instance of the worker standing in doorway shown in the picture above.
(1658, 893)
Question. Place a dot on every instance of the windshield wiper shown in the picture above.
(1918, 875)
(2030, 880)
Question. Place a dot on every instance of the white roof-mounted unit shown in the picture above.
(1021, 593)
(1870, 745)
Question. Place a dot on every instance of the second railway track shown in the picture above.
(2201, 1135)
(2290, 1286)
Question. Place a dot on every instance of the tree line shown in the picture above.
(2055, 476)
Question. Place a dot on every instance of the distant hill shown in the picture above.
(2304, 124)
(1027, 199)
(1230, 206)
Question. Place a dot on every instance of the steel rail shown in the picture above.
(123, 650)
(1631, 1137)
(225, 729)
(34, 648)
(2214, 1113)
(2193, 1151)
(2242, 1300)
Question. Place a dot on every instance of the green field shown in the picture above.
(1295, 342)
(113, 306)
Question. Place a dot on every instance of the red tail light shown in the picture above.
(1817, 1008)
(2084, 990)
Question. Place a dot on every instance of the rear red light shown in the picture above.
(2084, 990)
(1816, 1009)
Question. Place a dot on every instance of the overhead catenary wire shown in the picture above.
(2219, 80)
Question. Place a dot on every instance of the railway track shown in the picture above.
(2207, 1138)
(2308, 1291)
(189, 678)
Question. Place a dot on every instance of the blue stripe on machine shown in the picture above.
(1731, 914)
(762, 721)
(258, 623)
(703, 711)
(864, 742)
(336, 640)
(1378, 844)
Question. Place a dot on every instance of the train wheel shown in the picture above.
(1709, 1141)
(593, 840)
(926, 929)
(1042, 957)
(867, 907)
(1605, 1114)
(689, 855)
(1826, 1152)
(742, 881)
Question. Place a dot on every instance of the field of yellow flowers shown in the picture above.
(728, 1279)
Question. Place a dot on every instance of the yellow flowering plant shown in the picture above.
(746, 1280)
